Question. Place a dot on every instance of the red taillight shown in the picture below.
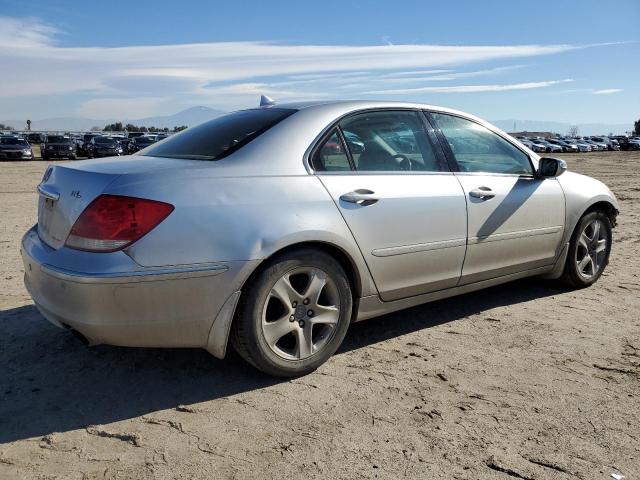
(111, 222)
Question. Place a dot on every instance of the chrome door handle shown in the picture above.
(47, 192)
(362, 197)
(483, 193)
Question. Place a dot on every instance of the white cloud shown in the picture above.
(607, 91)
(229, 73)
(471, 88)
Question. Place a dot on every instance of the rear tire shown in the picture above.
(294, 314)
(589, 250)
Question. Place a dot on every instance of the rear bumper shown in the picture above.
(130, 305)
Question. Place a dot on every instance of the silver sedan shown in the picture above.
(276, 227)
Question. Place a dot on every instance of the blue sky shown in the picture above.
(569, 61)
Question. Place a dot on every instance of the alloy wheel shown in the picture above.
(591, 251)
(301, 313)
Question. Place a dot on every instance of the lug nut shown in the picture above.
(301, 323)
(306, 301)
(292, 318)
(294, 304)
(310, 313)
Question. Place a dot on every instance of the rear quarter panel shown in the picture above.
(237, 218)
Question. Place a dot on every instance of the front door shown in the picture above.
(516, 220)
(406, 210)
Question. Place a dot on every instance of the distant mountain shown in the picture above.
(190, 116)
(562, 128)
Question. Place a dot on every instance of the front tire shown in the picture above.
(294, 314)
(589, 250)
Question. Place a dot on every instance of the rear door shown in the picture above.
(403, 205)
(515, 219)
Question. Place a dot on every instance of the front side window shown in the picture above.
(478, 149)
(331, 156)
(389, 141)
(217, 138)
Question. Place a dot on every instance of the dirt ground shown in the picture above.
(525, 380)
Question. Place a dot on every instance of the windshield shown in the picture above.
(57, 139)
(105, 141)
(144, 140)
(217, 138)
(14, 141)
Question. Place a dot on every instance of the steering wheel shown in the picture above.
(404, 162)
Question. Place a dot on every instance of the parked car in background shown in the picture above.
(102, 146)
(582, 146)
(550, 147)
(124, 143)
(600, 142)
(623, 142)
(569, 146)
(247, 228)
(537, 146)
(58, 146)
(15, 148)
(135, 134)
(609, 143)
(564, 146)
(138, 143)
(84, 147)
(35, 137)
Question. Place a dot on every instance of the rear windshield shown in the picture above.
(219, 137)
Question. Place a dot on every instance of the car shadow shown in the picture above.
(50, 382)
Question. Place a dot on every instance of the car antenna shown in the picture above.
(266, 101)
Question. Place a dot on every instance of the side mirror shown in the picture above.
(549, 167)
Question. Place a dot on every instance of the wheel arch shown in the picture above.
(604, 206)
(346, 262)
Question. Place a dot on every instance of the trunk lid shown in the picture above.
(64, 194)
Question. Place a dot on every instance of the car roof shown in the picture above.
(354, 105)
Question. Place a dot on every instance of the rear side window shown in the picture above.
(217, 138)
(331, 156)
(478, 149)
(387, 141)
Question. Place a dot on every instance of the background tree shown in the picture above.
(636, 127)
(5, 127)
(573, 131)
(113, 127)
